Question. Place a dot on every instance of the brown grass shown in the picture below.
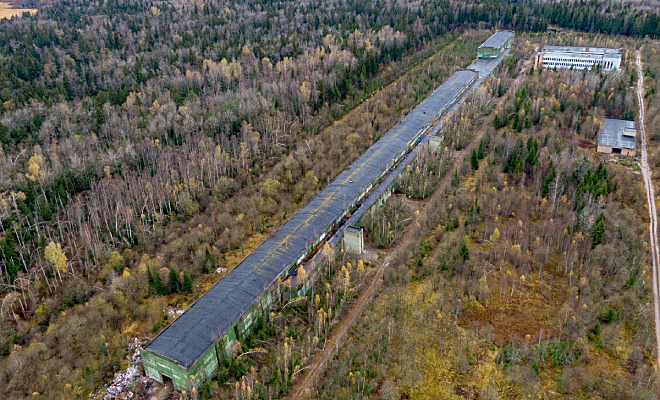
(532, 310)
(7, 10)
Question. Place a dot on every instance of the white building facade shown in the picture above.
(559, 57)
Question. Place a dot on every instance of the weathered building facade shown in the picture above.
(566, 57)
(495, 45)
(618, 136)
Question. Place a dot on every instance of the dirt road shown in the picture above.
(301, 388)
(650, 198)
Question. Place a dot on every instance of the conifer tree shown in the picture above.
(150, 279)
(457, 180)
(187, 285)
(465, 252)
(549, 177)
(159, 288)
(598, 231)
(474, 160)
(482, 150)
(209, 262)
(175, 282)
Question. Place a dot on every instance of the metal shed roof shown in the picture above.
(612, 134)
(196, 330)
(497, 40)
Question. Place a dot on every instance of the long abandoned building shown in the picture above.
(193, 345)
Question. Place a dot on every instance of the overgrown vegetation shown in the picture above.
(120, 302)
(265, 363)
(423, 174)
(385, 224)
(145, 146)
(541, 288)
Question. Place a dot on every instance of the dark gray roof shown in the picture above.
(612, 134)
(196, 330)
(497, 40)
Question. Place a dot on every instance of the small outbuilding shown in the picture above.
(354, 240)
(495, 45)
(435, 143)
(618, 136)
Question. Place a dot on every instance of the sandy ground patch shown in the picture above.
(8, 11)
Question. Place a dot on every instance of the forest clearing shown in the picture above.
(7, 10)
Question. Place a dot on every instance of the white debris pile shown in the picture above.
(173, 312)
(220, 270)
(123, 379)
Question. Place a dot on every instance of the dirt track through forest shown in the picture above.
(304, 385)
(650, 198)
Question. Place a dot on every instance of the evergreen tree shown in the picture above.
(474, 160)
(598, 231)
(187, 285)
(150, 279)
(457, 180)
(547, 181)
(465, 252)
(516, 162)
(482, 150)
(532, 151)
(159, 288)
(209, 262)
(175, 282)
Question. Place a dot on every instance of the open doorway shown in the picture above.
(167, 380)
(616, 150)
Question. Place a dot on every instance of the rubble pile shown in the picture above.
(119, 387)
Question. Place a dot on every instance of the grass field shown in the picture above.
(7, 10)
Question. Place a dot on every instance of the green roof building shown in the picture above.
(495, 45)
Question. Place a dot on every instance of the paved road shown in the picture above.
(650, 198)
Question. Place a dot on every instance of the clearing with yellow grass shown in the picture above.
(7, 10)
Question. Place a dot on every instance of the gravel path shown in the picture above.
(650, 198)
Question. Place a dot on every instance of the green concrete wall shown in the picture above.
(488, 52)
(155, 365)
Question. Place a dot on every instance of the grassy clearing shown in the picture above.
(7, 10)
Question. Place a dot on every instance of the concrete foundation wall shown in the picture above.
(610, 150)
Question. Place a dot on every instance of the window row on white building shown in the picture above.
(578, 58)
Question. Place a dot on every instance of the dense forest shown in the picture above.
(141, 136)
(119, 115)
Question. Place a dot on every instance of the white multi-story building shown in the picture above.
(552, 57)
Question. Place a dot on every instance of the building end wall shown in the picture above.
(354, 240)
(435, 143)
(157, 367)
(609, 150)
